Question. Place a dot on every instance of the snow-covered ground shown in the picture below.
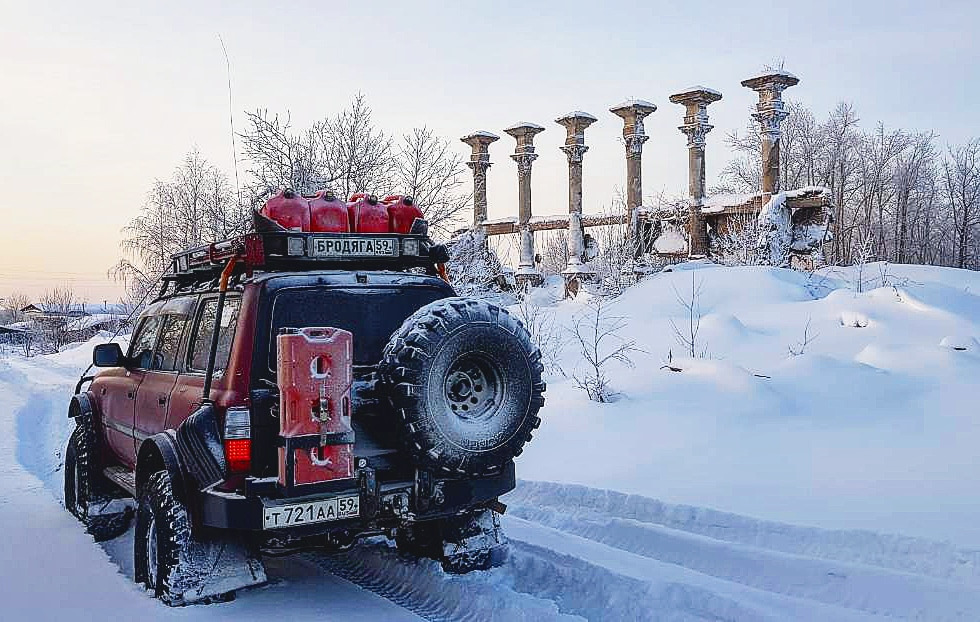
(841, 481)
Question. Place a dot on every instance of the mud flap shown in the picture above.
(212, 569)
(478, 544)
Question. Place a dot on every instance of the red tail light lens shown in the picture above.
(238, 452)
(238, 440)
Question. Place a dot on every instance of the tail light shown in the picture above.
(238, 439)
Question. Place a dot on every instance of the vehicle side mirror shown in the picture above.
(108, 355)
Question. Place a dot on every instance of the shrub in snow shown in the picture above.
(854, 319)
(545, 334)
(736, 246)
(473, 268)
(596, 334)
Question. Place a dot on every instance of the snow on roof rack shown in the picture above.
(298, 251)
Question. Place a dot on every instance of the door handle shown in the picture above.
(162, 400)
(129, 395)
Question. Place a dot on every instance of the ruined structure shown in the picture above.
(787, 228)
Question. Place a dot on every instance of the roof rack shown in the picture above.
(297, 251)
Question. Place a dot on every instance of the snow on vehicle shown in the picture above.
(300, 388)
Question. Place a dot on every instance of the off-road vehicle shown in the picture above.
(401, 412)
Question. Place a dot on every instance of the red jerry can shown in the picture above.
(402, 212)
(367, 215)
(314, 366)
(328, 213)
(289, 210)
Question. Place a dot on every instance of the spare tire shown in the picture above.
(465, 380)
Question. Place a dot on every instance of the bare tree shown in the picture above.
(60, 307)
(596, 334)
(428, 169)
(961, 173)
(14, 305)
(194, 207)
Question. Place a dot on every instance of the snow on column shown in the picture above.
(696, 127)
(479, 163)
(775, 223)
(770, 113)
(575, 124)
(524, 155)
(633, 111)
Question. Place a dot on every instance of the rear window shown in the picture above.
(371, 314)
(201, 345)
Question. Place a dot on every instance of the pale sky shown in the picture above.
(99, 99)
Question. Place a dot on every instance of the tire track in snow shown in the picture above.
(941, 560)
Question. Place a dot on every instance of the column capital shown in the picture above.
(695, 101)
(480, 143)
(770, 109)
(575, 124)
(633, 111)
(524, 133)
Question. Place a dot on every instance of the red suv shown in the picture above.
(441, 393)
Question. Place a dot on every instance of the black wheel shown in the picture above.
(87, 495)
(466, 380)
(162, 537)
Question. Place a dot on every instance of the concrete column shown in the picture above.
(695, 101)
(479, 162)
(633, 112)
(574, 148)
(770, 113)
(524, 155)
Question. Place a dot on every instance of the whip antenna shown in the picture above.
(231, 119)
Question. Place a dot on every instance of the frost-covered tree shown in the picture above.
(195, 206)
(347, 153)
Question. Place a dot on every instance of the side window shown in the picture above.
(204, 328)
(141, 348)
(170, 334)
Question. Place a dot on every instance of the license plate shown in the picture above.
(366, 246)
(312, 512)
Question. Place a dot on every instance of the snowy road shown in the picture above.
(576, 552)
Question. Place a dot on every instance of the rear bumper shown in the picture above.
(382, 505)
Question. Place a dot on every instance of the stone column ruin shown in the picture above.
(524, 155)
(633, 112)
(479, 162)
(695, 101)
(770, 113)
(575, 124)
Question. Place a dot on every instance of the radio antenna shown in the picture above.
(231, 119)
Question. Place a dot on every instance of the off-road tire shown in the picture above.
(465, 379)
(85, 487)
(159, 515)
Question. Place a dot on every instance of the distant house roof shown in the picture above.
(12, 330)
(82, 308)
(91, 321)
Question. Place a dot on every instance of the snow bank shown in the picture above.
(868, 428)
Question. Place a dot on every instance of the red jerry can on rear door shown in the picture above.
(328, 213)
(314, 367)
(367, 215)
(402, 212)
(289, 210)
